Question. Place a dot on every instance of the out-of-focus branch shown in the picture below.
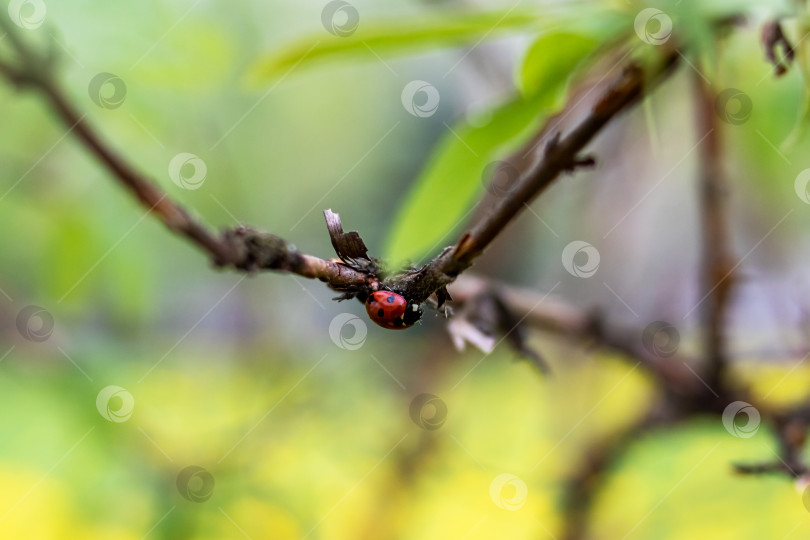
(716, 272)
(591, 474)
(791, 428)
(534, 309)
(773, 38)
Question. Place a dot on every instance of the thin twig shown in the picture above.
(592, 472)
(241, 248)
(791, 428)
(717, 277)
(246, 249)
(578, 325)
(562, 153)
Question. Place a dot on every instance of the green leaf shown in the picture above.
(454, 177)
(444, 193)
(551, 60)
(390, 39)
(556, 57)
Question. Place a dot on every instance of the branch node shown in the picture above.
(254, 250)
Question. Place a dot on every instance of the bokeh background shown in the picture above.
(297, 432)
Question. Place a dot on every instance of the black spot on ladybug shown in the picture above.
(381, 312)
(390, 299)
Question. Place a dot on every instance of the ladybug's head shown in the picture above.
(412, 313)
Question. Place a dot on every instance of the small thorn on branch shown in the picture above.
(583, 162)
(572, 163)
(442, 296)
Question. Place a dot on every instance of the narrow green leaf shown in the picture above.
(393, 38)
(551, 60)
(453, 178)
(556, 57)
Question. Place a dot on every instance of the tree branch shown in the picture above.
(147, 193)
(241, 248)
(247, 249)
(535, 310)
(717, 276)
(791, 433)
(561, 154)
(582, 488)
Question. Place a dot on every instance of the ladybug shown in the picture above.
(391, 310)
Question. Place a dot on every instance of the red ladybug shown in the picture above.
(391, 310)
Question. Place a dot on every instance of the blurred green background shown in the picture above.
(307, 435)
